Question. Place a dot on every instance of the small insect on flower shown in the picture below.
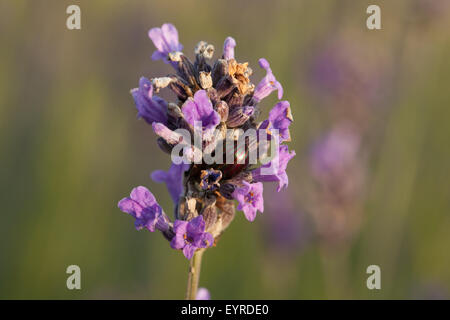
(218, 103)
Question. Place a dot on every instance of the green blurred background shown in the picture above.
(71, 147)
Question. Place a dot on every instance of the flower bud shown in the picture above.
(219, 70)
(205, 79)
(239, 115)
(222, 109)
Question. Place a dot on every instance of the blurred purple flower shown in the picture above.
(285, 224)
(335, 152)
(343, 75)
(203, 294)
(250, 198)
(430, 291)
(190, 236)
(150, 108)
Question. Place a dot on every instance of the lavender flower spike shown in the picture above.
(150, 108)
(172, 178)
(190, 236)
(276, 168)
(142, 206)
(250, 198)
(165, 40)
(228, 48)
(215, 109)
(200, 109)
(268, 84)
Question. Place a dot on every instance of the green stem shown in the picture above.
(194, 275)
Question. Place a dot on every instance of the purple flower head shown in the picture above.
(190, 236)
(250, 198)
(340, 75)
(151, 108)
(228, 48)
(203, 294)
(275, 170)
(280, 118)
(200, 109)
(335, 152)
(268, 84)
(173, 178)
(165, 40)
(142, 206)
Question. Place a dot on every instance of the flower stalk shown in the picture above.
(195, 265)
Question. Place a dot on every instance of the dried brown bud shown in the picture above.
(222, 109)
(205, 80)
(164, 146)
(209, 212)
(204, 49)
(180, 88)
(187, 71)
(219, 70)
(161, 83)
(240, 74)
(227, 190)
(225, 86)
(239, 115)
(213, 96)
(174, 110)
(187, 209)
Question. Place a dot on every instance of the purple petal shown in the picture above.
(249, 212)
(268, 84)
(165, 40)
(281, 118)
(171, 37)
(177, 242)
(189, 251)
(157, 55)
(250, 199)
(263, 63)
(130, 206)
(173, 178)
(180, 227)
(196, 226)
(143, 207)
(205, 240)
(150, 108)
(275, 170)
(156, 35)
(200, 109)
(143, 196)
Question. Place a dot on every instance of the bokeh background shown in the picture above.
(369, 184)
